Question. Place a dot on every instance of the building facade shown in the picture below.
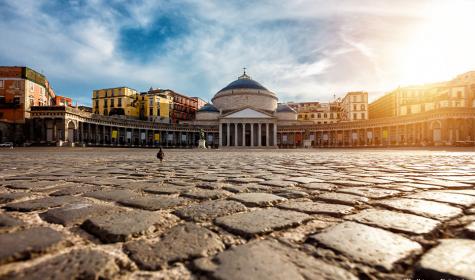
(319, 113)
(155, 106)
(20, 89)
(120, 101)
(354, 106)
(456, 93)
(246, 114)
(183, 108)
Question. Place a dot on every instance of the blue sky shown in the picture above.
(302, 50)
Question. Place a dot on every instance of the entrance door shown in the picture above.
(248, 139)
(437, 135)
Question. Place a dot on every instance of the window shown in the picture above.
(319, 115)
(354, 107)
(313, 116)
(325, 115)
(151, 112)
(119, 102)
(97, 104)
(355, 116)
(112, 102)
(16, 100)
(2, 99)
(363, 116)
(1, 83)
(150, 102)
(362, 107)
(105, 103)
(105, 112)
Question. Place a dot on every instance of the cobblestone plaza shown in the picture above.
(117, 213)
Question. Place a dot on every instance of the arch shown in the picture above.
(71, 125)
(435, 124)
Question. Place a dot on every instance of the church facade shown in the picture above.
(246, 113)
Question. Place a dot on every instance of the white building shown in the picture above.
(247, 114)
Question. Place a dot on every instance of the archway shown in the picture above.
(71, 130)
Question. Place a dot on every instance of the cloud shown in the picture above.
(302, 50)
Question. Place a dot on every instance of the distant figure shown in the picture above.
(160, 155)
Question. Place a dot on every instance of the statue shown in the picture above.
(202, 142)
(306, 134)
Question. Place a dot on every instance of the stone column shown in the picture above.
(228, 135)
(244, 134)
(275, 134)
(267, 135)
(221, 135)
(259, 135)
(252, 135)
(235, 135)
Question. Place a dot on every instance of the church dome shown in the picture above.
(245, 92)
(244, 82)
(208, 108)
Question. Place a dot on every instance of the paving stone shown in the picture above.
(153, 203)
(206, 194)
(76, 264)
(43, 203)
(277, 183)
(257, 199)
(245, 180)
(446, 183)
(30, 184)
(75, 213)
(470, 229)
(168, 189)
(181, 243)
(7, 221)
(373, 246)
(430, 209)
(342, 198)
(397, 221)
(237, 188)
(76, 190)
(303, 180)
(261, 221)
(350, 183)
(369, 192)
(25, 244)
(9, 197)
(311, 207)
(451, 259)
(320, 186)
(269, 259)
(467, 192)
(211, 185)
(290, 194)
(453, 198)
(111, 195)
(209, 210)
(422, 186)
(123, 226)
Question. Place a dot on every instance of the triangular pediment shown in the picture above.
(247, 113)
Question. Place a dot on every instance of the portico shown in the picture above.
(248, 127)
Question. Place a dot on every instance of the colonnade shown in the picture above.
(70, 132)
(248, 134)
(450, 131)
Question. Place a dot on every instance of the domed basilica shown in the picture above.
(247, 114)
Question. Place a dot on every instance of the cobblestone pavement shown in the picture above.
(237, 214)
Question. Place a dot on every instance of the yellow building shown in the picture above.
(115, 101)
(155, 106)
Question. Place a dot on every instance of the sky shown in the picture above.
(301, 50)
